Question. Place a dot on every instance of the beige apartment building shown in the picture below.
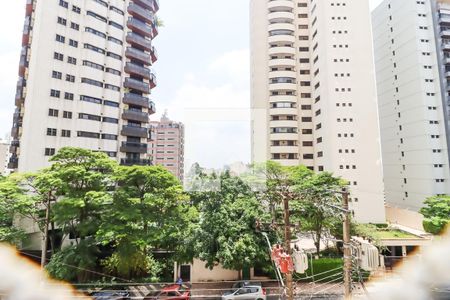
(412, 57)
(84, 80)
(313, 93)
(167, 145)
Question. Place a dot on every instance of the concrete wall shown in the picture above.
(405, 217)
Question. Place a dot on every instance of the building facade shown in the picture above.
(4, 157)
(84, 80)
(314, 93)
(167, 145)
(412, 57)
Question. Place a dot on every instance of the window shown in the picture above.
(56, 75)
(110, 120)
(92, 82)
(74, 26)
(93, 65)
(113, 55)
(70, 78)
(306, 119)
(63, 3)
(98, 17)
(51, 131)
(115, 9)
(117, 25)
(90, 99)
(49, 151)
(55, 93)
(87, 134)
(112, 87)
(60, 38)
(58, 56)
(101, 2)
(93, 48)
(72, 60)
(62, 21)
(73, 43)
(52, 112)
(110, 103)
(114, 40)
(113, 71)
(76, 9)
(68, 96)
(89, 117)
(96, 32)
(106, 136)
(65, 133)
(67, 114)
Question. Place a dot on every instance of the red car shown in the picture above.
(171, 292)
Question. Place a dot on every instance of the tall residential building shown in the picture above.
(412, 57)
(84, 80)
(314, 93)
(4, 157)
(167, 145)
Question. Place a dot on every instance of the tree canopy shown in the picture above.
(436, 214)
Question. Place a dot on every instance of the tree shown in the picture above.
(149, 211)
(436, 214)
(226, 233)
(85, 178)
(12, 202)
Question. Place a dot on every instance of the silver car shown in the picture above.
(250, 292)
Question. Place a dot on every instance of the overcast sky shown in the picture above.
(202, 73)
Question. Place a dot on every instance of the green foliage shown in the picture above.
(129, 264)
(323, 269)
(226, 232)
(74, 263)
(436, 214)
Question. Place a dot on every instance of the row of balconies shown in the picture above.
(133, 147)
(141, 13)
(153, 5)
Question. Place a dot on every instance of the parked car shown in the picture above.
(239, 284)
(172, 292)
(440, 293)
(111, 293)
(247, 292)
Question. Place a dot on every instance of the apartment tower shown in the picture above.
(84, 80)
(167, 145)
(412, 57)
(314, 93)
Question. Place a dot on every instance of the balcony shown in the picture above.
(151, 108)
(153, 54)
(136, 39)
(19, 97)
(140, 13)
(29, 7)
(137, 85)
(445, 34)
(135, 99)
(13, 162)
(156, 5)
(26, 31)
(134, 131)
(15, 132)
(446, 47)
(148, 4)
(141, 27)
(152, 80)
(131, 68)
(139, 55)
(155, 30)
(134, 115)
(133, 147)
(135, 162)
(444, 21)
(14, 146)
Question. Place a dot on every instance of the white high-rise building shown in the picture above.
(412, 57)
(314, 93)
(84, 80)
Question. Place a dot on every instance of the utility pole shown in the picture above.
(287, 239)
(347, 248)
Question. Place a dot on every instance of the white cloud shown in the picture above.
(236, 64)
(216, 115)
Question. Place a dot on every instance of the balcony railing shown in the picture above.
(135, 115)
(140, 12)
(19, 97)
(131, 68)
(138, 55)
(135, 99)
(135, 162)
(134, 131)
(13, 162)
(133, 147)
(136, 39)
(139, 26)
(154, 54)
(137, 85)
(152, 80)
(145, 3)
